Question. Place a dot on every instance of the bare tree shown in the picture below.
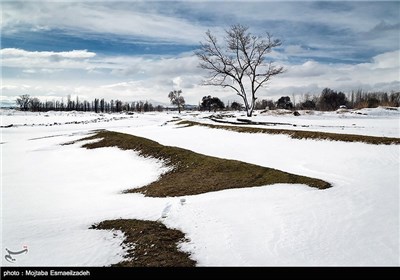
(240, 63)
(24, 101)
(177, 99)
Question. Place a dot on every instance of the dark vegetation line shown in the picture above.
(331, 100)
(299, 134)
(327, 100)
(34, 104)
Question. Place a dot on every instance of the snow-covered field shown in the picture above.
(52, 193)
(373, 122)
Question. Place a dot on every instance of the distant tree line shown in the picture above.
(327, 100)
(28, 103)
(330, 100)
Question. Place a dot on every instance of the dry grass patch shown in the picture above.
(194, 173)
(151, 244)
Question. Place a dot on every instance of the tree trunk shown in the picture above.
(249, 112)
(249, 107)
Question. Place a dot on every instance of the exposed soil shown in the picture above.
(151, 244)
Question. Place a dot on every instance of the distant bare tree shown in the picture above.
(240, 63)
(23, 101)
(177, 99)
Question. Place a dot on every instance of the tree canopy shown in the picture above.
(239, 64)
(177, 99)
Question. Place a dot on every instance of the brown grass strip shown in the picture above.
(194, 173)
(300, 134)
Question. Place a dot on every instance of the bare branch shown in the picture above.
(243, 55)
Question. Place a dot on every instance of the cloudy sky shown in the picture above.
(135, 50)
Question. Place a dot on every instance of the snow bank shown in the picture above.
(371, 121)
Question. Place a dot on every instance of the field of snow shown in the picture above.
(52, 193)
(372, 122)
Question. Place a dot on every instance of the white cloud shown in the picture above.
(387, 60)
(139, 78)
(309, 68)
(19, 58)
(119, 66)
(99, 18)
(9, 87)
(74, 54)
(156, 66)
(382, 73)
(29, 71)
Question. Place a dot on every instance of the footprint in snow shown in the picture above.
(166, 210)
(168, 206)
